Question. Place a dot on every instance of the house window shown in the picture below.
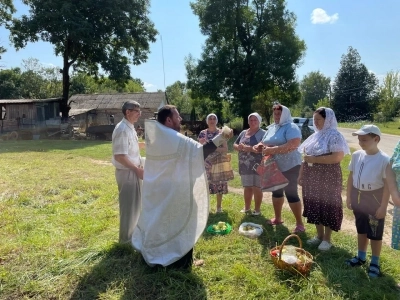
(3, 112)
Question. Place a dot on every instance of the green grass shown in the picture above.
(392, 127)
(59, 227)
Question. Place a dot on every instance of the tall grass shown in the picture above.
(59, 227)
(392, 127)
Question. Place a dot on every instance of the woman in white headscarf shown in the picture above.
(321, 177)
(248, 157)
(215, 187)
(281, 140)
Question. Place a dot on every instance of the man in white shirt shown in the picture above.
(128, 171)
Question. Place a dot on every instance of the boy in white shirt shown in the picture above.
(368, 195)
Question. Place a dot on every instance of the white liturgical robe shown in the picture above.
(175, 199)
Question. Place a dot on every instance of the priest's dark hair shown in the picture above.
(165, 112)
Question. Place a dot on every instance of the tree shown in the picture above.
(251, 47)
(10, 84)
(40, 81)
(314, 86)
(322, 103)
(389, 95)
(265, 100)
(82, 83)
(178, 95)
(354, 89)
(6, 10)
(90, 35)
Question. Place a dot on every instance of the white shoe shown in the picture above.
(245, 211)
(324, 246)
(314, 241)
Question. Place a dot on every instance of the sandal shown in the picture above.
(374, 270)
(299, 229)
(355, 262)
(273, 222)
(245, 211)
(256, 213)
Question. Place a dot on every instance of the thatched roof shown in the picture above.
(83, 102)
(26, 101)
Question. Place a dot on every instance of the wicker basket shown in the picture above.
(297, 268)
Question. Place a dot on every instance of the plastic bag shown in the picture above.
(251, 230)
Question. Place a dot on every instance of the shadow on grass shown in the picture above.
(121, 272)
(214, 218)
(330, 267)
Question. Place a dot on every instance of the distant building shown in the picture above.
(105, 109)
(18, 114)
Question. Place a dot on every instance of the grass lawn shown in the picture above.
(392, 127)
(59, 227)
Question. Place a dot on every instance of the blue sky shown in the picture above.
(328, 27)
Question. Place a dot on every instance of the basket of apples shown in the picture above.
(219, 228)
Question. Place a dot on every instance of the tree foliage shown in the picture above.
(82, 83)
(314, 86)
(322, 103)
(10, 84)
(251, 47)
(264, 101)
(6, 10)
(178, 95)
(90, 35)
(354, 89)
(38, 81)
(389, 95)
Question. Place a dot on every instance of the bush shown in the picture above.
(237, 125)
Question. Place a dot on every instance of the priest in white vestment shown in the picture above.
(175, 199)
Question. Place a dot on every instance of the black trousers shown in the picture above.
(185, 262)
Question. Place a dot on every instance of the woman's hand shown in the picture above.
(258, 148)
(268, 150)
(300, 181)
(202, 141)
(309, 159)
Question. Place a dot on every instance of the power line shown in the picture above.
(162, 54)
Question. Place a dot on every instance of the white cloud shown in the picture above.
(381, 77)
(149, 87)
(319, 16)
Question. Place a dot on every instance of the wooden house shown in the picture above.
(21, 114)
(106, 109)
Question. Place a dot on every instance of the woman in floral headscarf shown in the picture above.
(321, 177)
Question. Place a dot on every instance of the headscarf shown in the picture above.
(326, 140)
(211, 115)
(286, 118)
(257, 116)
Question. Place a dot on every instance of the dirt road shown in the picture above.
(348, 220)
(387, 143)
